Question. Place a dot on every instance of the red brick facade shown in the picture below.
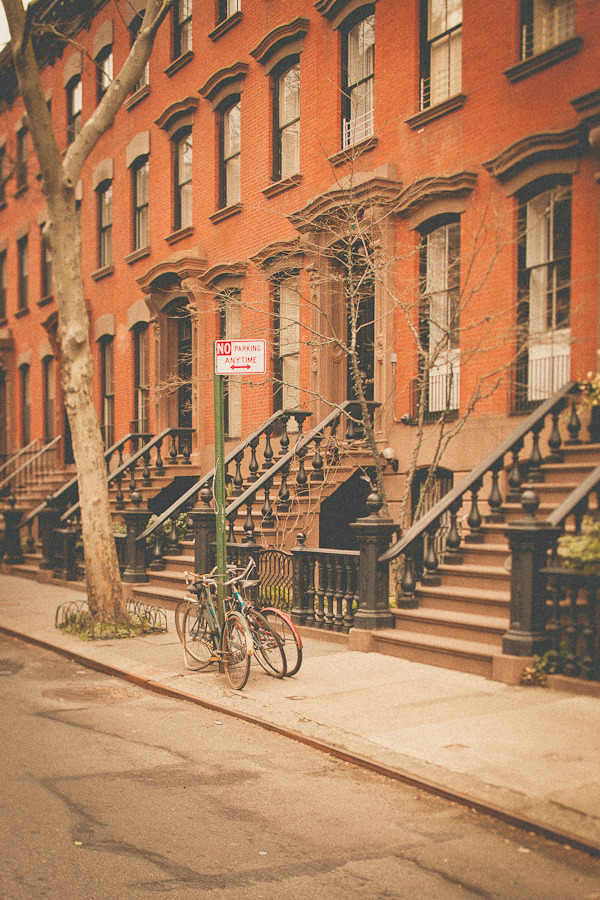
(470, 155)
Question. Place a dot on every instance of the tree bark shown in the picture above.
(59, 178)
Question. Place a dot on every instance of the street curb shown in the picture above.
(430, 787)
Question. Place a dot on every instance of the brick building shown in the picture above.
(461, 138)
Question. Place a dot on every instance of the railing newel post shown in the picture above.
(373, 535)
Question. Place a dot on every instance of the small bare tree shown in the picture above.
(60, 174)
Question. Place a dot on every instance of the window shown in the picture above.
(229, 155)
(139, 177)
(228, 8)
(183, 181)
(441, 51)
(104, 72)
(49, 388)
(545, 24)
(358, 81)
(286, 344)
(134, 29)
(286, 155)
(141, 379)
(23, 272)
(46, 267)
(22, 153)
(230, 326)
(74, 105)
(108, 391)
(3, 285)
(25, 406)
(105, 225)
(544, 290)
(439, 316)
(182, 33)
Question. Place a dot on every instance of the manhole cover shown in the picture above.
(10, 667)
(94, 693)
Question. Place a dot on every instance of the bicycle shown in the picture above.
(289, 636)
(268, 646)
(281, 624)
(203, 638)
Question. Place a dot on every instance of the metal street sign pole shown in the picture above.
(232, 357)
(219, 493)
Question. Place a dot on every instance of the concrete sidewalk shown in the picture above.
(532, 754)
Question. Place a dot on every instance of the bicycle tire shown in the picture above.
(198, 638)
(289, 636)
(268, 648)
(179, 614)
(236, 647)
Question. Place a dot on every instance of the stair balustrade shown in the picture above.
(467, 493)
(37, 465)
(176, 438)
(323, 436)
(154, 533)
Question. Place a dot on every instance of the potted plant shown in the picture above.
(582, 551)
(590, 398)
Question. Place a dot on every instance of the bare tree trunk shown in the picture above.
(59, 177)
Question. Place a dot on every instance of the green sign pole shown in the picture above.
(219, 492)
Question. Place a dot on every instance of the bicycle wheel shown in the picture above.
(288, 634)
(236, 646)
(198, 638)
(268, 648)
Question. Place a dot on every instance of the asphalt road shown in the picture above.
(110, 791)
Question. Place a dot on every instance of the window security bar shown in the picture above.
(554, 28)
(357, 128)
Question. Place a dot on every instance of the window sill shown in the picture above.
(21, 190)
(544, 60)
(278, 187)
(179, 63)
(46, 300)
(179, 235)
(137, 97)
(226, 213)
(435, 112)
(132, 258)
(99, 274)
(350, 154)
(225, 25)
(24, 311)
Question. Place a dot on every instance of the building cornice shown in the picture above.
(535, 148)
(280, 38)
(350, 195)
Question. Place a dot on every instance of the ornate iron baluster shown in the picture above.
(146, 478)
(534, 470)
(158, 462)
(515, 479)
(430, 560)
(283, 497)
(301, 477)
(317, 463)
(321, 588)
(253, 466)
(474, 520)
(268, 451)
(338, 621)
(238, 478)
(495, 498)
(329, 593)
(573, 425)
(452, 554)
